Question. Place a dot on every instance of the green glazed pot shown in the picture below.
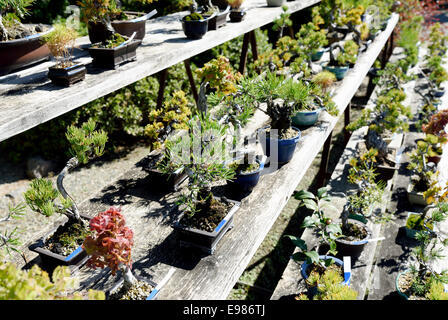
(339, 72)
(305, 118)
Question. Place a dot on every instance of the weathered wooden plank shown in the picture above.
(28, 99)
(150, 213)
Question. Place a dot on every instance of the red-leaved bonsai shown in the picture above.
(110, 244)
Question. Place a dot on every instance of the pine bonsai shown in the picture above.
(11, 11)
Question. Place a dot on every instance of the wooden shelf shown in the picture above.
(151, 213)
(27, 98)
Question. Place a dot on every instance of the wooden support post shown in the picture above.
(162, 84)
(322, 176)
(391, 45)
(253, 45)
(384, 55)
(243, 57)
(347, 133)
(191, 79)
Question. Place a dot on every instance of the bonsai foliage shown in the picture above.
(310, 39)
(276, 59)
(194, 16)
(424, 173)
(324, 79)
(282, 21)
(437, 42)
(438, 75)
(438, 124)
(202, 154)
(8, 240)
(11, 11)
(41, 198)
(110, 244)
(61, 42)
(327, 230)
(35, 284)
(235, 4)
(172, 116)
(220, 75)
(409, 37)
(331, 287)
(429, 250)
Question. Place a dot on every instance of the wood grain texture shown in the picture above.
(27, 98)
(150, 212)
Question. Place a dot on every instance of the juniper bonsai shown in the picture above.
(11, 11)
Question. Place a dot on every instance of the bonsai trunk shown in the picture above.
(72, 163)
(3, 31)
(280, 115)
(205, 197)
(128, 277)
(374, 140)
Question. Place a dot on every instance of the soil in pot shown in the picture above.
(354, 232)
(68, 237)
(207, 219)
(288, 134)
(139, 291)
(160, 180)
(244, 167)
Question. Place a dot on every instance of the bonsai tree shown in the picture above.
(110, 245)
(331, 287)
(43, 198)
(282, 22)
(343, 59)
(235, 4)
(324, 79)
(172, 116)
(61, 42)
(11, 11)
(437, 76)
(35, 284)
(437, 42)
(220, 75)
(326, 230)
(423, 172)
(429, 250)
(438, 125)
(202, 154)
(387, 117)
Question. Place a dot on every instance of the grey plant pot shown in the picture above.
(276, 3)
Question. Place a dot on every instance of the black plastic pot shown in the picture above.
(204, 240)
(166, 182)
(67, 76)
(237, 15)
(218, 20)
(51, 260)
(221, 4)
(353, 248)
(195, 29)
(20, 53)
(111, 58)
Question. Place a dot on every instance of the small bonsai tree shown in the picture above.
(61, 42)
(11, 11)
(326, 230)
(282, 22)
(324, 79)
(438, 125)
(110, 245)
(235, 4)
(220, 75)
(202, 154)
(35, 284)
(344, 58)
(438, 76)
(428, 251)
(423, 173)
(331, 287)
(173, 116)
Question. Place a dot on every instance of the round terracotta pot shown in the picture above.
(20, 53)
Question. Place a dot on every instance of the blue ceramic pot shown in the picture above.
(318, 55)
(305, 118)
(339, 72)
(248, 181)
(438, 93)
(286, 147)
(339, 262)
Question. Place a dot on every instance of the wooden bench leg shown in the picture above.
(322, 175)
(347, 133)
(391, 45)
(162, 84)
(191, 79)
(243, 57)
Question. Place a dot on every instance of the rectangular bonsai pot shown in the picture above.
(219, 20)
(51, 260)
(204, 240)
(166, 182)
(110, 58)
(67, 76)
(415, 197)
(385, 173)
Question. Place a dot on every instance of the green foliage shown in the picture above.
(61, 42)
(331, 287)
(173, 116)
(220, 75)
(35, 284)
(86, 143)
(9, 241)
(194, 16)
(19, 7)
(436, 291)
(423, 176)
(283, 20)
(311, 39)
(324, 79)
(41, 197)
(48, 11)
